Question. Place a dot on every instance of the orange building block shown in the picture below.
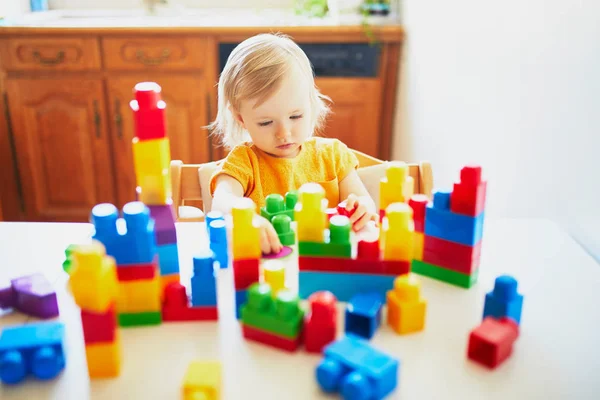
(104, 359)
(139, 296)
(405, 307)
(418, 245)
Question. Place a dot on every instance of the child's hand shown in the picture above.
(269, 241)
(360, 211)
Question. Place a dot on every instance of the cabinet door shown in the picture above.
(355, 112)
(62, 149)
(186, 114)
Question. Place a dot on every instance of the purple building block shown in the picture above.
(164, 223)
(34, 295)
(7, 295)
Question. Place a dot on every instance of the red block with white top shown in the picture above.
(148, 111)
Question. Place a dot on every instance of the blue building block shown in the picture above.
(131, 239)
(504, 301)
(35, 349)
(357, 371)
(442, 223)
(218, 241)
(343, 285)
(212, 216)
(204, 284)
(241, 296)
(168, 259)
(363, 314)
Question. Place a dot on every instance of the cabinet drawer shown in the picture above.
(60, 54)
(139, 53)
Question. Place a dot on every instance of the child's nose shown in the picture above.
(284, 132)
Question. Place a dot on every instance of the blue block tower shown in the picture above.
(204, 287)
(504, 301)
(218, 241)
(363, 314)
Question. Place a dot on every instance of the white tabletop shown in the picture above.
(556, 356)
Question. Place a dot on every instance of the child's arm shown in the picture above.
(357, 197)
(227, 190)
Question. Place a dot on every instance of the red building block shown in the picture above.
(134, 272)
(148, 111)
(245, 273)
(341, 209)
(320, 324)
(99, 327)
(418, 203)
(468, 195)
(451, 255)
(270, 339)
(368, 250)
(176, 306)
(330, 212)
(357, 266)
(492, 342)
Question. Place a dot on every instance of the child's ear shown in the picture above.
(237, 116)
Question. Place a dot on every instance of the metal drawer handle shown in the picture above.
(60, 57)
(141, 57)
(97, 119)
(118, 119)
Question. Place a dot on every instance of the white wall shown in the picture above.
(515, 86)
(14, 8)
(94, 4)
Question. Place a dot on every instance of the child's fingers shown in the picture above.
(351, 202)
(358, 225)
(274, 242)
(265, 245)
(360, 211)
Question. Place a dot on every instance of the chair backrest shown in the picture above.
(191, 195)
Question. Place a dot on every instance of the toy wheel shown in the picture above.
(356, 387)
(329, 375)
(12, 367)
(46, 363)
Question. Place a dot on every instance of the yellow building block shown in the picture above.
(397, 233)
(202, 381)
(104, 359)
(274, 275)
(309, 213)
(245, 231)
(405, 306)
(139, 296)
(418, 244)
(151, 157)
(93, 279)
(397, 186)
(154, 189)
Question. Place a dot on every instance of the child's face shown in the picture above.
(280, 124)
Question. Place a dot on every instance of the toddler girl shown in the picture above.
(269, 108)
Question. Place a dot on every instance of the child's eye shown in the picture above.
(264, 123)
(296, 116)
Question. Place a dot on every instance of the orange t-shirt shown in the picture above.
(320, 160)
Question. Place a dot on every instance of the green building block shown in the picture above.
(281, 315)
(282, 224)
(275, 204)
(444, 274)
(68, 263)
(337, 241)
(140, 319)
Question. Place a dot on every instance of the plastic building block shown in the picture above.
(442, 223)
(281, 316)
(33, 349)
(363, 314)
(7, 295)
(241, 296)
(357, 371)
(336, 244)
(504, 301)
(35, 296)
(397, 186)
(155, 189)
(282, 224)
(150, 157)
(418, 246)
(444, 274)
(418, 203)
(342, 209)
(275, 204)
(245, 273)
(270, 339)
(218, 242)
(212, 216)
(99, 327)
(139, 296)
(134, 272)
(168, 259)
(148, 111)
(320, 323)
(165, 280)
(274, 275)
(104, 359)
(455, 256)
(67, 264)
(202, 381)
(468, 195)
(93, 280)
(130, 240)
(309, 213)
(353, 266)
(164, 223)
(492, 342)
(246, 234)
(343, 285)
(176, 306)
(405, 307)
(284, 252)
(397, 234)
(204, 286)
(368, 250)
(140, 319)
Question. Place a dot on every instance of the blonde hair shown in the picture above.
(254, 70)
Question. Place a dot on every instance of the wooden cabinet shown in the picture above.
(64, 157)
